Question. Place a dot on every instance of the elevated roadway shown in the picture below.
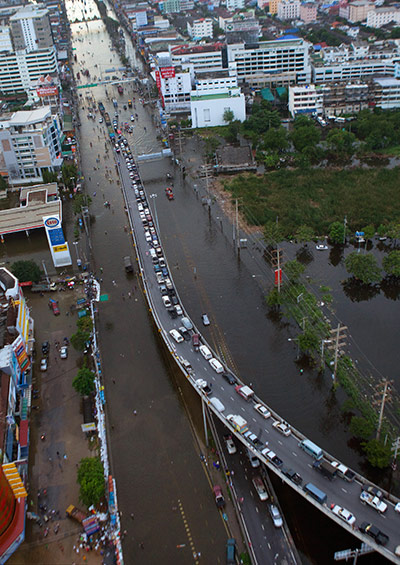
(338, 491)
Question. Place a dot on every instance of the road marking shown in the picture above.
(265, 430)
(293, 453)
(188, 533)
(232, 399)
(280, 443)
(257, 510)
(254, 420)
(262, 526)
(242, 409)
(344, 490)
(269, 545)
(309, 465)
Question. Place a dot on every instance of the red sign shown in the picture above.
(47, 91)
(278, 276)
(167, 72)
(158, 81)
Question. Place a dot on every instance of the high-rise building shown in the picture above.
(30, 28)
(20, 71)
(199, 29)
(289, 10)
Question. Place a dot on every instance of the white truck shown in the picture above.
(343, 471)
(373, 501)
(238, 423)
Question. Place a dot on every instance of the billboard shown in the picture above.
(58, 246)
(167, 72)
(47, 91)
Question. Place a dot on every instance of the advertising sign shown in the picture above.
(278, 276)
(58, 246)
(47, 91)
(21, 355)
(167, 72)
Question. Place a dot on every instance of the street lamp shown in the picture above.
(78, 261)
(153, 196)
(296, 340)
(323, 341)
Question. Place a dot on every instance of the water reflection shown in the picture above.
(336, 255)
(359, 292)
(390, 287)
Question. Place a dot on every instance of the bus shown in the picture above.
(315, 493)
(312, 449)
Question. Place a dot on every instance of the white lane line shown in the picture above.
(280, 443)
(254, 420)
(244, 410)
(293, 453)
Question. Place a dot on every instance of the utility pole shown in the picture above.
(386, 391)
(344, 229)
(336, 346)
(395, 448)
(237, 223)
(277, 263)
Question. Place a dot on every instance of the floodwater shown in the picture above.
(209, 279)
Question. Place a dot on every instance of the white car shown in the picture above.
(166, 301)
(43, 364)
(160, 278)
(282, 427)
(261, 409)
(178, 310)
(230, 446)
(100, 120)
(276, 516)
(64, 352)
(216, 365)
(344, 514)
(321, 247)
(206, 353)
(176, 336)
(260, 488)
(147, 237)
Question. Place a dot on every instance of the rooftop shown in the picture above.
(25, 117)
(187, 49)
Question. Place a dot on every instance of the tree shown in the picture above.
(369, 231)
(83, 383)
(274, 299)
(341, 141)
(228, 116)
(69, 174)
(391, 263)
(49, 176)
(26, 271)
(308, 340)
(363, 267)
(305, 136)
(275, 139)
(272, 233)
(361, 428)
(91, 481)
(79, 339)
(293, 270)
(378, 454)
(337, 232)
(85, 324)
(304, 234)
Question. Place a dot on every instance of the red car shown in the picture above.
(53, 304)
(219, 497)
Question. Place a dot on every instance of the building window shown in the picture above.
(206, 115)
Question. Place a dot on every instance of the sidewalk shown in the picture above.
(53, 461)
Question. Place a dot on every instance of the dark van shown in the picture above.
(325, 468)
(128, 264)
(231, 551)
(196, 341)
(315, 493)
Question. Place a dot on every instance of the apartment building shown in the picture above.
(233, 5)
(358, 10)
(273, 6)
(30, 143)
(307, 99)
(30, 28)
(308, 12)
(382, 16)
(199, 29)
(387, 93)
(174, 84)
(5, 40)
(20, 71)
(171, 6)
(208, 57)
(276, 62)
(289, 10)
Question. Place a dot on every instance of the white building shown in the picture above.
(30, 143)
(207, 57)
(233, 5)
(214, 94)
(276, 62)
(289, 10)
(5, 40)
(174, 84)
(307, 99)
(199, 29)
(387, 93)
(20, 71)
(382, 16)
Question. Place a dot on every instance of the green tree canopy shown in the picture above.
(391, 263)
(85, 324)
(304, 234)
(341, 141)
(79, 339)
(83, 383)
(361, 428)
(363, 267)
(261, 119)
(336, 232)
(228, 116)
(69, 174)
(272, 233)
(378, 454)
(309, 342)
(293, 270)
(274, 299)
(275, 139)
(369, 231)
(26, 271)
(91, 481)
(305, 136)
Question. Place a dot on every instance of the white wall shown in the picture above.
(210, 112)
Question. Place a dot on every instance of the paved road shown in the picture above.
(338, 492)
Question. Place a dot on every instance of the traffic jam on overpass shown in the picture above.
(344, 496)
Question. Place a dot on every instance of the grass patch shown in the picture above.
(318, 197)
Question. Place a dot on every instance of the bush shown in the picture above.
(91, 481)
(83, 383)
(26, 271)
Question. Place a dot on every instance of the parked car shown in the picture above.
(375, 533)
(276, 516)
(219, 497)
(53, 304)
(64, 352)
(176, 336)
(43, 364)
(292, 475)
(45, 347)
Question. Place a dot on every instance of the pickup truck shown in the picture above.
(272, 456)
(43, 287)
(343, 471)
(74, 512)
(373, 501)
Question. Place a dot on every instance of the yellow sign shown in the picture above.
(58, 248)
